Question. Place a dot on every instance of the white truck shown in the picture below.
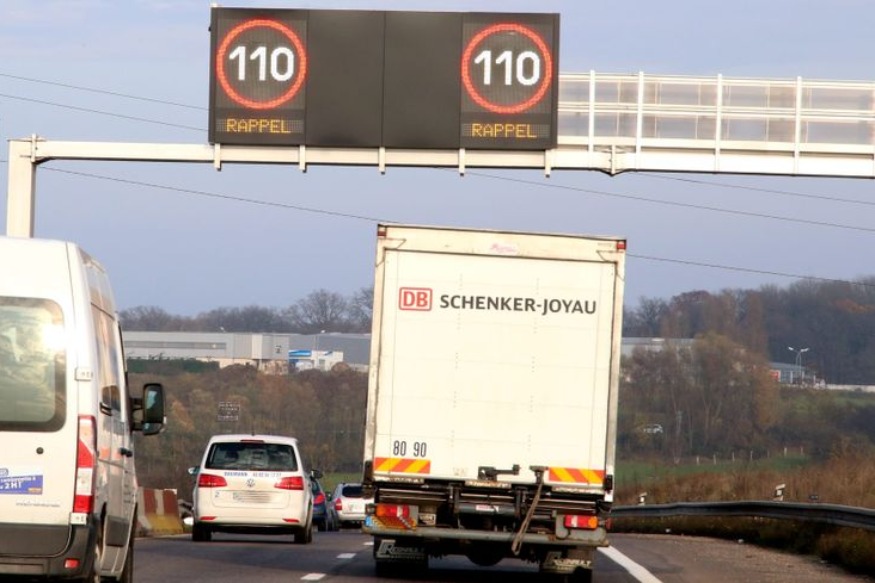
(492, 396)
(68, 488)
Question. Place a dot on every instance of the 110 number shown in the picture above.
(525, 69)
(280, 63)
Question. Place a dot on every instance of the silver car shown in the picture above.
(350, 503)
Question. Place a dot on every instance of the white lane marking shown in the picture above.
(369, 543)
(637, 571)
(345, 555)
(313, 577)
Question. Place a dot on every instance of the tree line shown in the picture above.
(834, 320)
(712, 396)
(320, 310)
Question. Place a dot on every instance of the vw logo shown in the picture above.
(250, 483)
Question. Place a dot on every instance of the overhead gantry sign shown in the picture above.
(468, 90)
(366, 79)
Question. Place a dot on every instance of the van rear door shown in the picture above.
(37, 414)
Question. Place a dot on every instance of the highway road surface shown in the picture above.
(345, 556)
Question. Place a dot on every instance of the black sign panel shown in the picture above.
(345, 79)
(437, 80)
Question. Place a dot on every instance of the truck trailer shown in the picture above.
(492, 396)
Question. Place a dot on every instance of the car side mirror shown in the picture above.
(193, 470)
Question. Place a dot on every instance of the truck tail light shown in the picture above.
(290, 483)
(86, 460)
(581, 521)
(393, 510)
(211, 481)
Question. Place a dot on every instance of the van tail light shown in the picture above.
(211, 481)
(319, 499)
(86, 462)
(290, 483)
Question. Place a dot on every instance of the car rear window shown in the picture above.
(352, 491)
(278, 457)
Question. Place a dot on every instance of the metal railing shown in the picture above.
(832, 514)
(771, 126)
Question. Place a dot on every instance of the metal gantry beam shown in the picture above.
(607, 122)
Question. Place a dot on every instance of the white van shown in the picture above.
(252, 484)
(68, 491)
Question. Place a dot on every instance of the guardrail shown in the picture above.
(833, 514)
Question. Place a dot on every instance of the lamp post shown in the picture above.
(799, 352)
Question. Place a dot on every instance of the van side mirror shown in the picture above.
(151, 406)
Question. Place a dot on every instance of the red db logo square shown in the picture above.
(414, 298)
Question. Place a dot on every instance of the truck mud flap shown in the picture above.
(394, 551)
(559, 563)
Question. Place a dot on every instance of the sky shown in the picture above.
(188, 238)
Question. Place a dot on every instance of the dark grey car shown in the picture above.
(324, 515)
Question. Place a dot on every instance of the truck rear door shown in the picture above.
(494, 361)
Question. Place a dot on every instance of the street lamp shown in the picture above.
(799, 352)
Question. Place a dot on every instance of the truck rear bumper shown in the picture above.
(577, 538)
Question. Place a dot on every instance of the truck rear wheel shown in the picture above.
(486, 555)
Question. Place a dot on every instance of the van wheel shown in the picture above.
(201, 533)
(127, 575)
(93, 573)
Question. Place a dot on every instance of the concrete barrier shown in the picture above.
(158, 513)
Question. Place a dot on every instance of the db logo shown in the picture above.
(414, 298)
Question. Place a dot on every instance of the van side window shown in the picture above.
(108, 365)
(32, 365)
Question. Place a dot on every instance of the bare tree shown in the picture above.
(361, 309)
(320, 310)
(247, 319)
(152, 319)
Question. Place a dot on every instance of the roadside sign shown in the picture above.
(228, 411)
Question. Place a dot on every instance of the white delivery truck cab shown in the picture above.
(68, 490)
(492, 396)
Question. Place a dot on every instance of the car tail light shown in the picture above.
(290, 483)
(211, 481)
(86, 460)
(338, 504)
(581, 521)
(319, 499)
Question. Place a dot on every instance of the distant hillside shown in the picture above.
(835, 321)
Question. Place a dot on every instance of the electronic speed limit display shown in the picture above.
(508, 72)
(258, 75)
(397, 79)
